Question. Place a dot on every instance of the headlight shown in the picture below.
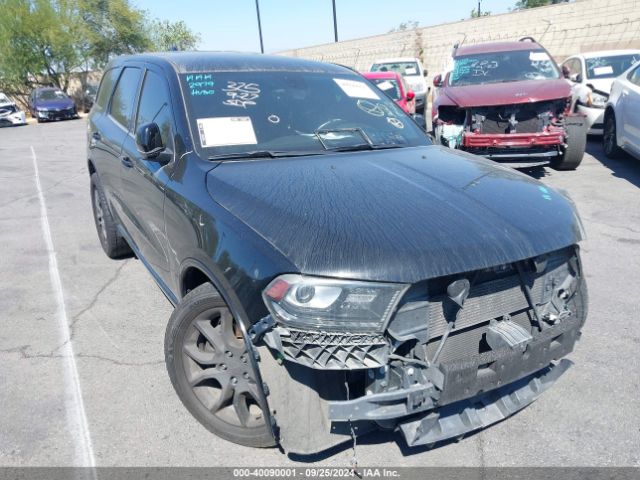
(331, 304)
(598, 100)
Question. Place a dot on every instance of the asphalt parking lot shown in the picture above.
(105, 397)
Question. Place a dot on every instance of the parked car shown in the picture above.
(10, 114)
(622, 115)
(49, 103)
(412, 71)
(394, 85)
(593, 73)
(319, 251)
(507, 101)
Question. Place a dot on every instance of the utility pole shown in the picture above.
(259, 27)
(335, 22)
(479, 14)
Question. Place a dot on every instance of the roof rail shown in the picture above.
(528, 39)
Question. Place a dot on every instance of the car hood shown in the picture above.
(508, 93)
(60, 104)
(397, 215)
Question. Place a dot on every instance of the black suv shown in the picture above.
(332, 271)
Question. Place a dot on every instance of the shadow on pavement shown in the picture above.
(625, 167)
(535, 172)
(378, 437)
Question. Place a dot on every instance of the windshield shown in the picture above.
(237, 112)
(403, 68)
(388, 86)
(501, 67)
(51, 95)
(610, 67)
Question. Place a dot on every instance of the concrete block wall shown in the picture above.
(564, 29)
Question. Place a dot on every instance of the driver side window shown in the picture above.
(155, 107)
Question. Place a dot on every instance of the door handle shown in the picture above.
(126, 161)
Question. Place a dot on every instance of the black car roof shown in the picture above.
(188, 62)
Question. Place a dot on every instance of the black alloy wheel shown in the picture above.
(211, 371)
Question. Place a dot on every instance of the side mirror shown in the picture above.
(425, 73)
(420, 120)
(149, 140)
(410, 95)
(437, 81)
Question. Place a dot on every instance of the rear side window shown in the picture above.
(124, 96)
(106, 87)
(155, 106)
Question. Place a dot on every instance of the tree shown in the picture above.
(43, 42)
(110, 28)
(37, 44)
(474, 13)
(408, 25)
(522, 4)
(165, 36)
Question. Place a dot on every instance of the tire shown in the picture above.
(210, 369)
(574, 152)
(113, 244)
(610, 139)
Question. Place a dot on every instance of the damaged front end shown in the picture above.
(434, 360)
(521, 134)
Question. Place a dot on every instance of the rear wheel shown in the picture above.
(610, 139)
(576, 140)
(113, 244)
(211, 371)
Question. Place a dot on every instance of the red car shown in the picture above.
(393, 85)
(508, 101)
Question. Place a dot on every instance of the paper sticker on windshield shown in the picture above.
(538, 56)
(225, 131)
(386, 85)
(606, 70)
(410, 71)
(356, 89)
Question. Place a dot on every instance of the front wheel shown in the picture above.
(211, 371)
(610, 138)
(576, 141)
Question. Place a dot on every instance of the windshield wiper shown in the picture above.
(365, 146)
(265, 154)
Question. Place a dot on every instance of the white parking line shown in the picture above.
(76, 417)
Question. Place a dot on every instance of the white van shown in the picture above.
(412, 71)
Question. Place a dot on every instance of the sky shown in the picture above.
(288, 24)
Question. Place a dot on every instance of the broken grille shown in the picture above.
(334, 351)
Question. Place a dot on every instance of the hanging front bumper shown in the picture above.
(463, 417)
